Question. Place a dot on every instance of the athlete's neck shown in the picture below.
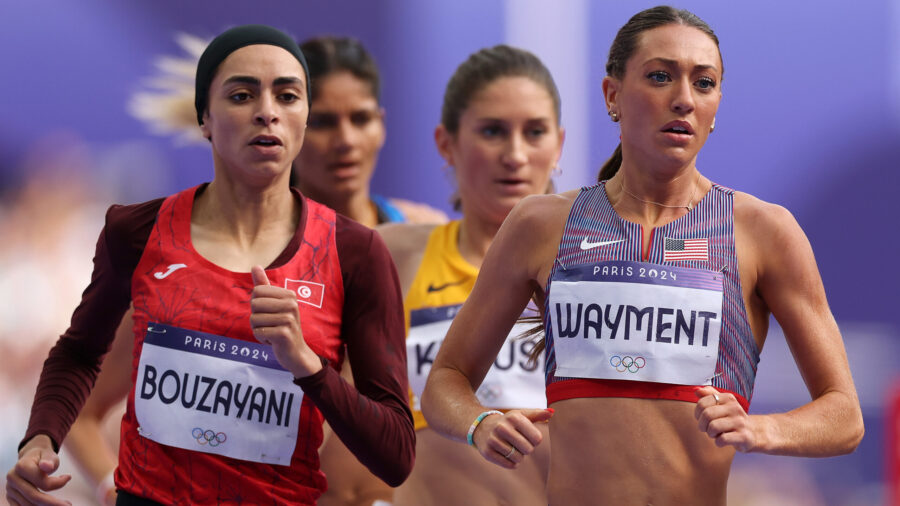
(654, 199)
(246, 218)
(475, 237)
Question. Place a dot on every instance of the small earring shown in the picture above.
(614, 116)
(556, 172)
(712, 128)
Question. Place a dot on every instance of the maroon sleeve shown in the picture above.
(74, 361)
(373, 419)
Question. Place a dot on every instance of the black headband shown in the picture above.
(229, 42)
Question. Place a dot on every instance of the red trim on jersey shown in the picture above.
(582, 387)
(646, 254)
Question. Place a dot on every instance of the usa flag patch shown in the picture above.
(308, 292)
(686, 249)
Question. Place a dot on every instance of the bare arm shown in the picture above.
(789, 284)
(86, 441)
(519, 256)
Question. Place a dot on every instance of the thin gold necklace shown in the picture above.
(688, 206)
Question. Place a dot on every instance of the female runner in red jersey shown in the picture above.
(233, 362)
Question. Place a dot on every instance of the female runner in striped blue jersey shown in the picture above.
(656, 287)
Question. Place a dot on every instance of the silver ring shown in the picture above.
(511, 451)
(716, 397)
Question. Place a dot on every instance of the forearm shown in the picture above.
(90, 450)
(62, 390)
(449, 403)
(830, 425)
(378, 431)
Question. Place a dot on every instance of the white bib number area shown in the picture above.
(636, 321)
(214, 394)
(511, 381)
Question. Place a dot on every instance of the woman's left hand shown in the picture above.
(723, 419)
(275, 320)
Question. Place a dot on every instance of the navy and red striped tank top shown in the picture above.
(703, 239)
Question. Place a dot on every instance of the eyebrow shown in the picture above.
(675, 64)
(252, 81)
(502, 120)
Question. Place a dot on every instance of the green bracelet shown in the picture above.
(478, 419)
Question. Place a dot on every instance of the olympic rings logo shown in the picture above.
(209, 437)
(304, 291)
(627, 363)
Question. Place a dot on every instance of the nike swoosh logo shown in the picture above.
(585, 244)
(172, 268)
(438, 288)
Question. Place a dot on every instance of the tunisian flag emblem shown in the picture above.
(307, 292)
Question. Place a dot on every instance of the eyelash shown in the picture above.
(491, 131)
(240, 96)
(494, 131)
(710, 83)
(243, 96)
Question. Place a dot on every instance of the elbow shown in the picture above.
(855, 434)
(400, 470)
(851, 435)
(398, 476)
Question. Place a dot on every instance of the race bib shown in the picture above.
(636, 321)
(214, 394)
(511, 382)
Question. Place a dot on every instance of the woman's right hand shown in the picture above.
(506, 440)
(31, 475)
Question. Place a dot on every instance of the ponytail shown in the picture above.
(612, 165)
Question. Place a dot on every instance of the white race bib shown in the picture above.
(214, 394)
(511, 381)
(636, 321)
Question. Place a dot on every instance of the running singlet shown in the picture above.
(387, 212)
(441, 285)
(212, 417)
(204, 386)
(619, 325)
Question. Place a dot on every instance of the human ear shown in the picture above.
(443, 139)
(610, 86)
(204, 127)
(381, 114)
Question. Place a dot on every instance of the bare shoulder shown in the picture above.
(763, 221)
(529, 238)
(402, 239)
(419, 213)
(771, 242)
(542, 213)
(406, 243)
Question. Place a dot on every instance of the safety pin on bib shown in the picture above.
(714, 376)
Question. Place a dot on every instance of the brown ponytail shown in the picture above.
(612, 165)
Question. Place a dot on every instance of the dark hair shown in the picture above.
(625, 44)
(483, 68)
(329, 54)
(230, 41)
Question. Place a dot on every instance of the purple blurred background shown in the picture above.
(810, 119)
